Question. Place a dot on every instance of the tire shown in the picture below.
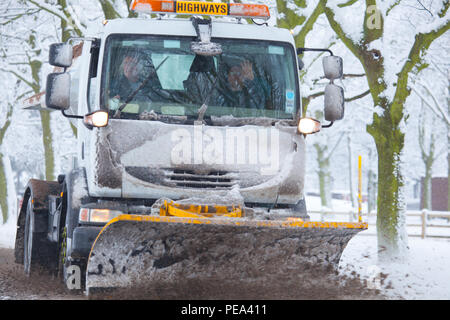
(30, 253)
(38, 253)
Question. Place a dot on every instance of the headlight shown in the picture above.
(97, 215)
(96, 119)
(308, 126)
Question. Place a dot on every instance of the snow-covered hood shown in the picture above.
(151, 159)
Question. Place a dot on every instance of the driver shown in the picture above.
(137, 79)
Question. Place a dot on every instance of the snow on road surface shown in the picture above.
(424, 275)
(8, 233)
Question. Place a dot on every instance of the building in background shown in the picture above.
(439, 194)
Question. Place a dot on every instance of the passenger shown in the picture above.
(201, 82)
(244, 89)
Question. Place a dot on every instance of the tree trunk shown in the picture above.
(428, 160)
(427, 150)
(391, 206)
(427, 189)
(48, 146)
(371, 186)
(3, 183)
(371, 191)
(3, 191)
(324, 176)
(47, 139)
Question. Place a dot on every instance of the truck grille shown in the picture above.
(185, 178)
(189, 179)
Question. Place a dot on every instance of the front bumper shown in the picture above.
(83, 239)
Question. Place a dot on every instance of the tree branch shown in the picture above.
(354, 47)
(374, 33)
(396, 3)
(424, 8)
(439, 112)
(64, 16)
(108, 10)
(421, 44)
(347, 4)
(359, 96)
(308, 25)
(335, 146)
(29, 83)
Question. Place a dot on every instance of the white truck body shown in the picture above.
(191, 169)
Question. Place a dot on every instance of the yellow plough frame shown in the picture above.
(199, 211)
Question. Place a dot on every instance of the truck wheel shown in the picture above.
(39, 253)
(29, 252)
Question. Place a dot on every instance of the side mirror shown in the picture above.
(334, 102)
(61, 55)
(57, 92)
(333, 67)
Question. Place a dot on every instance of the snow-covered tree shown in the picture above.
(432, 86)
(27, 27)
(389, 47)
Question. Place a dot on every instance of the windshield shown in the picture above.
(147, 77)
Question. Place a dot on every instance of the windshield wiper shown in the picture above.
(135, 92)
(152, 115)
(202, 110)
(259, 121)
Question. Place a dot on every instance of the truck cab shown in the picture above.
(158, 147)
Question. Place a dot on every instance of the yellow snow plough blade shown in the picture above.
(138, 250)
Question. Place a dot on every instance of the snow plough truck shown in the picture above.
(190, 160)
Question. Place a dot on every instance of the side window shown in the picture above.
(92, 91)
(93, 66)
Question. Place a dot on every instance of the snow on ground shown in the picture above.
(424, 275)
(8, 233)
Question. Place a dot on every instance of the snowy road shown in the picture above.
(15, 285)
(424, 273)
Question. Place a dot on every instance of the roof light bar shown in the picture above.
(259, 11)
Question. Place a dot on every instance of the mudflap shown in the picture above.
(140, 251)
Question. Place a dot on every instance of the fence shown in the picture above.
(424, 221)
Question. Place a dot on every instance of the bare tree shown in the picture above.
(441, 111)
